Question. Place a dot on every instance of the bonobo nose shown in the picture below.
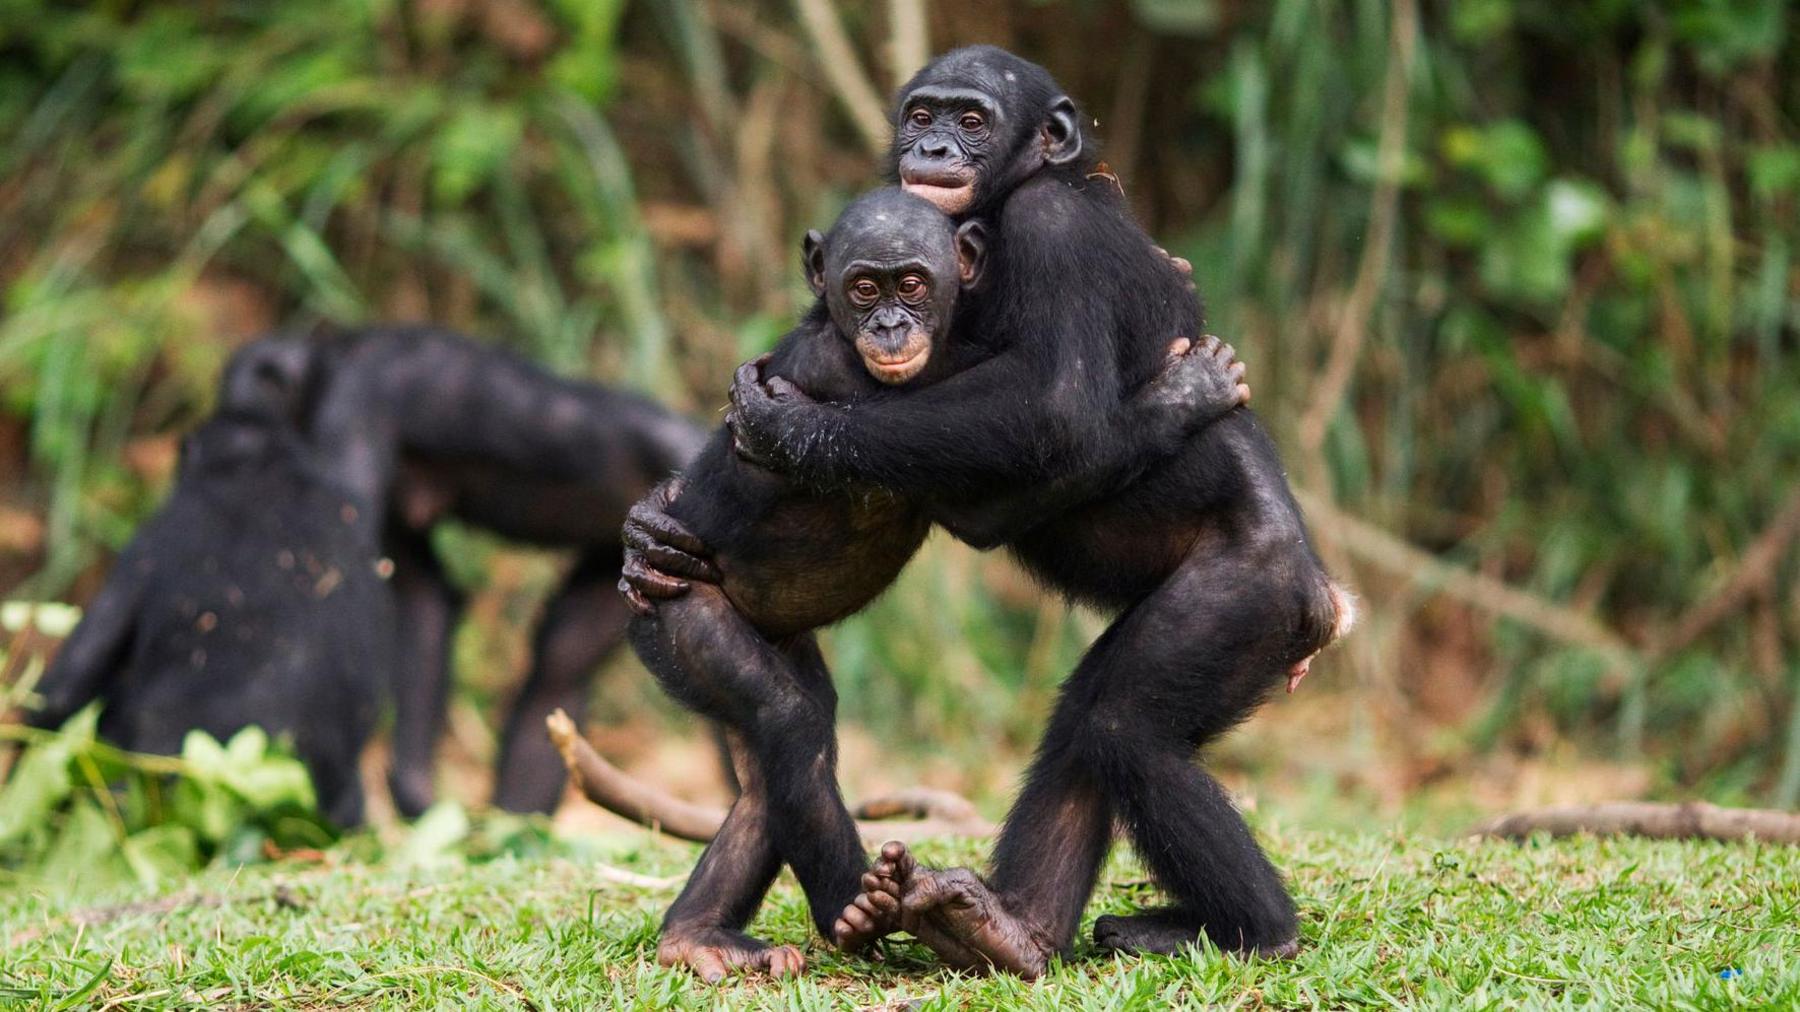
(891, 338)
(933, 146)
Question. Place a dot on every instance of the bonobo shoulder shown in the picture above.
(1059, 207)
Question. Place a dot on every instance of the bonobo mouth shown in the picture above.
(898, 366)
(952, 191)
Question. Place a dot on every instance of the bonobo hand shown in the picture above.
(761, 416)
(660, 552)
(1200, 382)
(1183, 266)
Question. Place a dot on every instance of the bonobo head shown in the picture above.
(235, 442)
(272, 377)
(890, 270)
(977, 122)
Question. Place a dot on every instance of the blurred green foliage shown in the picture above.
(1553, 244)
(76, 812)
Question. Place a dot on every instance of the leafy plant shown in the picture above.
(76, 812)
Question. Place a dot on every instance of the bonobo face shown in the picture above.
(270, 377)
(975, 123)
(890, 272)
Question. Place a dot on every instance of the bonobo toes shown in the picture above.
(714, 953)
(1171, 931)
(875, 913)
(963, 921)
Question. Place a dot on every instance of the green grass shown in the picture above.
(1387, 921)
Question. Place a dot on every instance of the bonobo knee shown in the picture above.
(1113, 736)
(1297, 594)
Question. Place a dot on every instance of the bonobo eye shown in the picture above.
(920, 118)
(972, 121)
(913, 288)
(864, 292)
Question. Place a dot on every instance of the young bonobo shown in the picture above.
(1203, 554)
(251, 597)
(786, 560)
(435, 425)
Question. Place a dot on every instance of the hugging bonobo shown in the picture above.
(1000, 349)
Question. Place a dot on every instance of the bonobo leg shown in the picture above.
(779, 701)
(701, 930)
(426, 609)
(583, 622)
(1175, 671)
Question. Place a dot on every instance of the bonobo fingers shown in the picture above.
(660, 541)
(1181, 264)
(748, 377)
(782, 389)
(1178, 348)
(643, 585)
(1225, 357)
(637, 602)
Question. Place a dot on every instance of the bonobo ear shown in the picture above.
(812, 260)
(971, 251)
(1062, 134)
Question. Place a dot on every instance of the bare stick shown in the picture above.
(1690, 820)
(1377, 547)
(1755, 570)
(935, 812)
(910, 43)
(1390, 153)
(837, 58)
(622, 794)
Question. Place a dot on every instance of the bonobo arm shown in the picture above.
(91, 658)
(1202, 383)
(951, 448)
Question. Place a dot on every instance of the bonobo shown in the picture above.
(1203, 554)
(436, 425)
(785, 560)
(251, 597)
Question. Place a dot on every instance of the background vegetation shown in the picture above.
(1516, 280)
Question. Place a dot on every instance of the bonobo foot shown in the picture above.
(962, 920)
(1169, 931)
(712, 953)
(875, 913)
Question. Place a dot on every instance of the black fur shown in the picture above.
(431, 425)
(790, 558)
(1203, 553)
(251, 597)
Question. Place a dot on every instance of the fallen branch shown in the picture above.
(932, 812)
(1689, 820)
(622, 794)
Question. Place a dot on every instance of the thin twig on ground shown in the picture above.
(934, 813)
(1688, 820)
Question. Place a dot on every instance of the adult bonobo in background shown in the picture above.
(438, 425)
(1203, 555)
(786, 559)
(251, 597)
